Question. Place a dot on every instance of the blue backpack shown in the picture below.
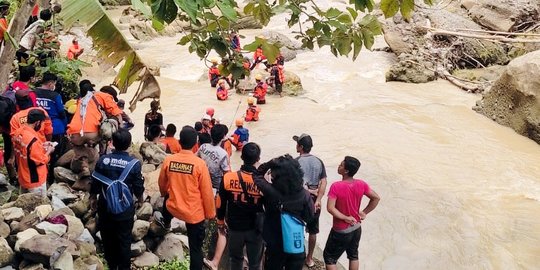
(292, 232)
(118, 196)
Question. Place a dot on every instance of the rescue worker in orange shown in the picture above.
(279, 77)
(32, 154)
(172, 146)
(222, 93)
(4, 11)
(252, 112)
(260, 89)
(20, 118)
(240, 136)
(207, 125)
(213, 73)
(74, 50)
(258, 56)
(185, 183)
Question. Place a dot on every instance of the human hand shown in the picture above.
(350, 219)
(314, 192)
(362, 215)
(222, 229)
(317, 205)
(11, 161)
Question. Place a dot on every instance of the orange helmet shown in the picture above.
(210, 111)
(251, 100)
(239, 122)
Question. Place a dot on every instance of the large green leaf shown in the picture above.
(389, 7)
(190, 7)
(227, 10)
(165, 10)
(407, 7)
(141, 7)
(111, 47)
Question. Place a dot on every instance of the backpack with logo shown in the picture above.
(117, 194)
(292, 232)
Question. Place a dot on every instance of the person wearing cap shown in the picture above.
(4, 11)
(127, 122)
(260, 89)
(279, 76)
(252, 112)
(240, 136)
(314, 182)
(213, 73)
(222, 93)
(20, 118)
(153, 117)
(26, 75)
(32, 154)
(31, 34)
(74, 50)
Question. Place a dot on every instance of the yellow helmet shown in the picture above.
(72, 108)
(70, 103)
(214, 60)
(258, 77)
(251, 100)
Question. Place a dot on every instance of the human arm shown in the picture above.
(207, 195)
(137, 182)
(221, 203)
(322, 186)
(373, 202)
(331, 207)
(110, 106)
(59, 106)
(163, 180)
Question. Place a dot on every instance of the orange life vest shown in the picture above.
(73, 52)
(260, 91)
(258, 54)
(222, 93)
(252, 113)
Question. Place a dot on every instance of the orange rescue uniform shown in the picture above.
(185, 178)
(172, 146)
(222, 93)
(93, 115)
(258, 54)
(3, 28)
(260, 92)
(19, 119)
(252, 113)
(31, 157)
(74, 51)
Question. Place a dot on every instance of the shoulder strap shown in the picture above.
(101, 178)
(242, 183)
(127, 170)
(100, 108)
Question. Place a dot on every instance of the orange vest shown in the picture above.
(252, 113)
(19, 119)
(93, 115)
(73, 51)
(222, 93)
(260, 91)
(172, 146)
(258, 54)
(31, 157)
(213, 72)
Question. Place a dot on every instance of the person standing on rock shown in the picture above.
(344, 200)
(32, 154)
(240, 202)
(153, 117)
(116, 228)
(314, 182)
(185, 183)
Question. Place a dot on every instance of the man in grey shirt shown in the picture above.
(315, 183)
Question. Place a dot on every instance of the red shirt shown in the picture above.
(348, 195)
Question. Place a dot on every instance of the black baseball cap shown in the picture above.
(303, 140)
(84, 82)
(35, 115)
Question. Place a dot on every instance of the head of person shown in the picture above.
(26, 73)
(49, 81)
(171, 130)
(153, 132)
(221, 83)
(218, 132)
(111, 91)
(250, 101)
(4, 7)
(239, 122)
(198, 126)
(121, 140)
(349, 166)
(210, 111)
(22, 99)
(75, 41)
(204, 138)
(154, 106)
(45, 15)
(206, 120)
(35, 119)
(304, 143)
(214, 61)
(86, 86)
(251, 153)
(121, 103)
(258, 77)
(188, 137)
(286, 175)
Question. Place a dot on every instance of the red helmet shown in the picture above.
(210, 111)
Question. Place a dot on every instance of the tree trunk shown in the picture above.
(16, 28)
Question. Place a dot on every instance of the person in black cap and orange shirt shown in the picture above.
(315, 182)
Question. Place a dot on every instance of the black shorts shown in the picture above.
(338, 243)
(312, 227)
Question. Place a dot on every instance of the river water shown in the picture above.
(458, 190)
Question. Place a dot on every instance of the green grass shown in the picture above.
(172, 265)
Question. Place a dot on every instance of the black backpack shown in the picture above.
(7, 110)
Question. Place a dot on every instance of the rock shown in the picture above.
(282, 40)
(151, 242)
(5, 196)
(515, 97)
(394, 38)
(64, 262)
(146, 168)
(147, 259)
(178, 226)
(185, 241)
(65, 175)
(85, 249)
(3, 180)
(6, 253)
(126, 19)
(91, 262)
(9, 267)
(56, 203)
(63, 211)
(503, 15)
(170, 248)
(24, 236)
(145, 212)
(153, 153)
(91, 226)
(12, 213)
(86, 237)
(75, 227)
(51, 229)
(63, 192)
(247, 22)
(43, 211)
(26, 222)
(157, 201)
(13, 225)
(7, 205)
(4, 229)
(156, 229)
(29, 201)
(32, 266)
(41, 247)
(140, 229)
(81, 207)
(410, 69)
(137, 248)
(142, 30)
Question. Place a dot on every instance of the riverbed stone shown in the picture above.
(4, 229)
(75, 227)
(138, 248)
(43, 211)
(64, 262)
(81, 206)
(144, 212)
(6, 253)
(23, 237)
(13, 214)
(63, 192)
(146, 168)
(65, 175)
(140, 229)
(41, 247)
(27, 222)
(170, 248)
(147, 259)
(86, 236)
(29, 201)
(51, 229)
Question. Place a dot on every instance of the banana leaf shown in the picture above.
(112, 48)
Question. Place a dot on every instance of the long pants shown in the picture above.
(276, 259)
(116, 241)
(252, 240)
(195, 234)
(59, 150)
(8, 151)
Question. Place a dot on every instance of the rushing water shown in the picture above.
(458, 190)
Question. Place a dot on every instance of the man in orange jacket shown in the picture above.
(20, 118)
(74, 50)
(260, 89)
(252, 112)
(32, 154)
(213, 73)
(185, 183)
(172, 146)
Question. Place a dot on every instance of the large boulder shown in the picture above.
(40, 248)
(514, 99)
(29, 201)
(23, 237)
(503, 15)
(6, 253)
(63, 192)
(170, 248)
(65, 175)
(147, 259)
(51, 229)
(12, 214)
(140, 229)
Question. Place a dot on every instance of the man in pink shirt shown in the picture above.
(344, 205)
